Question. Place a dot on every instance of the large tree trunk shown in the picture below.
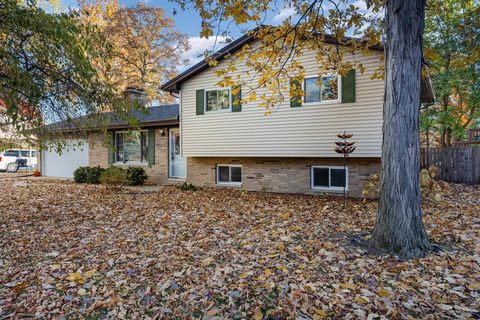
(399, 227)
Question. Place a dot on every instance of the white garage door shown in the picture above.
(62, 165)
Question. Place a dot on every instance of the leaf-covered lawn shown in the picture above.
(80, 251)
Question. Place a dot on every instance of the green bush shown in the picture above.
(187, 187)
(113, 176)
(135, 176)
(80, 174)
(94, 174)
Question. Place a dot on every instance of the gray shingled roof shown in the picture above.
(163, 114)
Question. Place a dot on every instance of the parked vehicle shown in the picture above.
(13, 159)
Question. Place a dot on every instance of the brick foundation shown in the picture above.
(286, 175)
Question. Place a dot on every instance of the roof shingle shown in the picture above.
(162, 114)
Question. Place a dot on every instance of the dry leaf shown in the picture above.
(257, 315)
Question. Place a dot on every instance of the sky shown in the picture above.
(188, 22)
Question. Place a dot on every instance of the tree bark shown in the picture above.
(399, 227)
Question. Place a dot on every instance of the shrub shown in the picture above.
(80, 174)
(94, 174)
(135, 176)
(113, 176)
(187, 187)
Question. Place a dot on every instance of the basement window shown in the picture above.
(229, 175)
(329, 178)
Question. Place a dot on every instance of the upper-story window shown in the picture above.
(217, 100)
(321, 89)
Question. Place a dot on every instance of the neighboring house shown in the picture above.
(290, 150)
(473, 139)
(9, 136)
(156, 147)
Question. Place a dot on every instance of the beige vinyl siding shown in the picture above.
(307, 131)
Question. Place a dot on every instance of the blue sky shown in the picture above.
(188, 22)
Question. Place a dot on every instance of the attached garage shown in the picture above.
(62, 165)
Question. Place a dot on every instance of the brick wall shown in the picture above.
(289, 175)
(157, 173)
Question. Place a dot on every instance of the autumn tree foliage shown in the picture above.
(45, 66)
(323, 26)
(452, 50)
(146, 48)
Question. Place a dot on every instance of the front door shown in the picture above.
(177, 162)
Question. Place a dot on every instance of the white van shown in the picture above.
(13, 159)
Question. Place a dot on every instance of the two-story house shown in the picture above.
(208, 140)
(290, 150)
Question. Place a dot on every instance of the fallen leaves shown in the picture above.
(384, 293)
(90, 252)
(75, 277)
(257, 314)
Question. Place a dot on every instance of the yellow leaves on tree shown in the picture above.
(273, 61)
(145, 47)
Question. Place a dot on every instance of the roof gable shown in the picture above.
(174, 84)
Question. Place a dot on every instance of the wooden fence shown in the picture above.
(460, 165)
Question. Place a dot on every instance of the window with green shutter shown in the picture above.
(321, 89)
(295, 97)
(151, 147)
(111, 149)
(237, 98)
(132, 147)
(348, 87)
(218, 100)
(200, 102)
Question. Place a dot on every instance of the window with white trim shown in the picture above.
(329, 178)
(229, 174)
(131, 146)
(217, 99)
(321, 89)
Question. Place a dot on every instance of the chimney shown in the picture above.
(136, 94)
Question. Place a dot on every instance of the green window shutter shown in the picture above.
(200, 102)
(151, 147)
(348, 87)
(111, 149)
(295, 98)
(237, 98)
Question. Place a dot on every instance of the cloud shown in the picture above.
(362, 6)
(199, 45)
(284, 14)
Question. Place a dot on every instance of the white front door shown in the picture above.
(177, 162)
